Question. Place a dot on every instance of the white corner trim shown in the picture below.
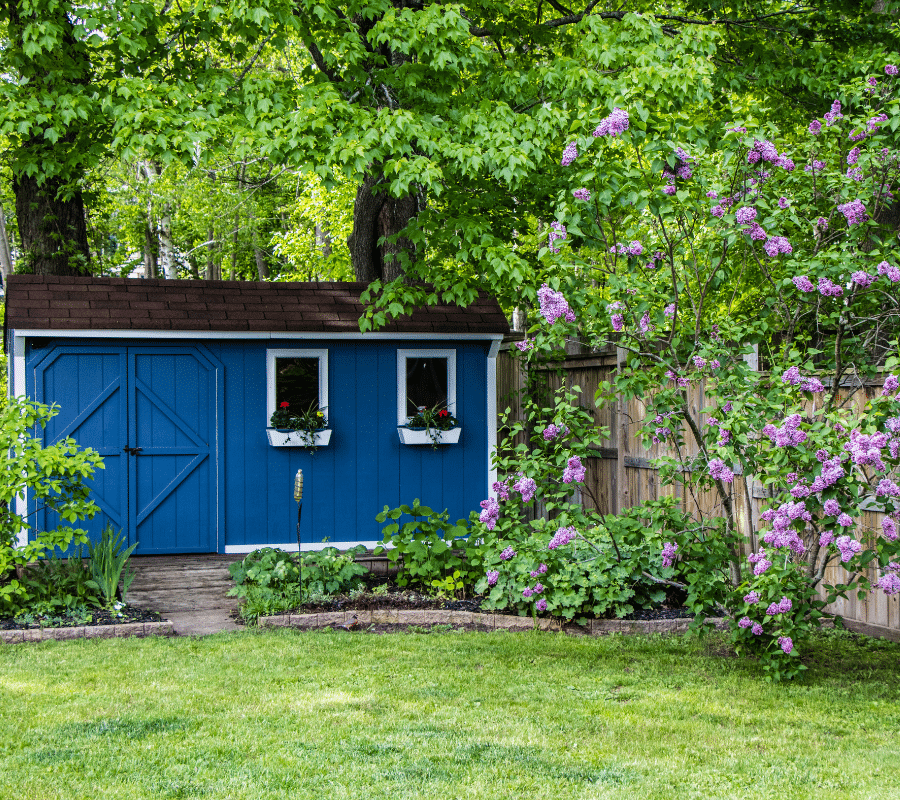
(495, 347)
(402, 355)
(127, 333)
(492, 416)
(271, 355)
(291, 547)
(17, 389)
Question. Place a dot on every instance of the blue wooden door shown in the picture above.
(89, 386)
(165, 406)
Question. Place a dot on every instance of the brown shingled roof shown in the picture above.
(85, 303)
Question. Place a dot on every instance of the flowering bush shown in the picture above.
(749, 253)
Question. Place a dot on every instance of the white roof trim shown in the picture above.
(145, 334)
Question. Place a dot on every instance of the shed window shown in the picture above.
(298, 377)
(425, 378)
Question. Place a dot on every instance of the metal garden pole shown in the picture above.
(298, 496)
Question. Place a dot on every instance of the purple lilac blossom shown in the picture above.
(616, 123)
(854, 211)
(526, 344)
(803, 283)
(618, 322)
(815, 127)
(785, 163)
(848, 546)
(669, 310)
(490, 514)
(773, 609)
(845, 520)
(855, 174)
(889, 528)
(822, 224)
(862, 279)
(541, 605)
(542, 569)
(891, 384)
(829, 289)
(744, 622)
(553, 430)
(783, 202)
(719, 471)
(582, 194)
(507, 554)
(526, 487)
(635, 248)
(668, 553)
(826, 538)
(757, 234)
(717, 211)
(669, 188)
(562, 537)
(835, 113)
(853, 156)
(891, 272)
(889, 583)
(831, 507)
(745, 215)
(757, 629)
(751, 598)
(538, 588)
(557, 231)
(554, 305)
(816, 166)
(890, 69)
(887, 488)
(785, 605)
(569, 154)
(500, 489)
(712, 195)
(492, 576)
(574, 471)
(786, 644)
(527, 592)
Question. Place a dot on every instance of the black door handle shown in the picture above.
(132, 451)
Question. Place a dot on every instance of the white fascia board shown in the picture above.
(141, 334)
(291, 547)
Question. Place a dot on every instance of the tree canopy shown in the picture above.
(446, 119)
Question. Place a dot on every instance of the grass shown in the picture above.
(280, 714)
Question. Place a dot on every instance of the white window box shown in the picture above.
(422, 436)
(285, 438)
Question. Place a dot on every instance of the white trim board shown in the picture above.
(492, 417)
(141, 334)
(17, 389)
(291, 547)
(402, 355)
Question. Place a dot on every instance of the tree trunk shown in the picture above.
(166, 246)
(377, 215)
(52, 230)
(151, 267)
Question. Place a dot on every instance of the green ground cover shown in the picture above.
(279, 714)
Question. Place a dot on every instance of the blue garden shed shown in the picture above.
(174, 382)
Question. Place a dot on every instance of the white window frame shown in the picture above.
(402, 355)
(271, 355)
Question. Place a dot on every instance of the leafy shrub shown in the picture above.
(59, 583)
(54, 476)
(610, 572)
(428, 552)
(268, 579)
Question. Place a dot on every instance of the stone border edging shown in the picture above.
(497, 622)
(140, 629)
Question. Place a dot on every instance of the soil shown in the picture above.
(392, 597)
(93, 616)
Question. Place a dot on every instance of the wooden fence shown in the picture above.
(621, 474)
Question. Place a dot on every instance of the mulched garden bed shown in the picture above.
(93, 616)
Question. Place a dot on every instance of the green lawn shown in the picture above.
(279, 714)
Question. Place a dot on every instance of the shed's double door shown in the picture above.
(154, 414)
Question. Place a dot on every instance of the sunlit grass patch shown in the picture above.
(282, 714)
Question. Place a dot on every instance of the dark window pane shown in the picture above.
(426, 383)
(297, 382)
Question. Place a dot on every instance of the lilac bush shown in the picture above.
(750, 254)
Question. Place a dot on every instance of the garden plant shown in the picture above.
(651, 233)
